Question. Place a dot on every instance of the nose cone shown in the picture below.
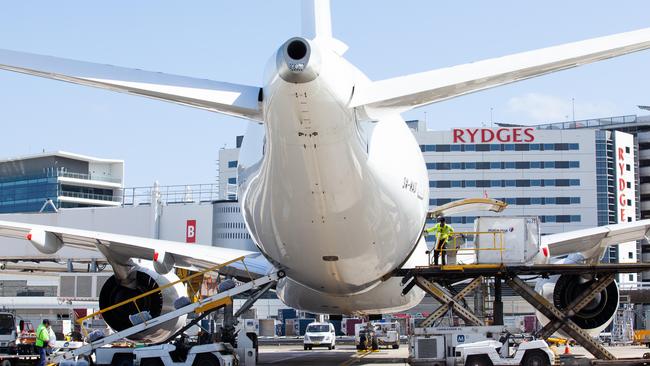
(297, 61)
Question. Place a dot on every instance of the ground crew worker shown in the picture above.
(442, 232)
(42, 339)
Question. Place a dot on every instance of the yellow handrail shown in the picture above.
(158, 289)
(498, 242)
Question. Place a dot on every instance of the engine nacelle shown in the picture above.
(156, 304)
(562, 290)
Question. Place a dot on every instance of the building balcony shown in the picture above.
(90, 198)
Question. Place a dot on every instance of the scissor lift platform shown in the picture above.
(560, 319)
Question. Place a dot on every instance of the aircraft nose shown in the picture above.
(297, 61)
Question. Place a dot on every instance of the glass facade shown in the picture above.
(503, 183)
(27, 194)
(499, 147)
(484, 165)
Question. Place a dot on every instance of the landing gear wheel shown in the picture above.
(306, 347)
(333, 346)
(205, 360)
(535, 358)
(329, 348)
(395, 346)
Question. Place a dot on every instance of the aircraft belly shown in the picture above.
(384, 298)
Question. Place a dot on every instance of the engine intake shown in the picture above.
(562, 290)
(598, 312)
(113, 292)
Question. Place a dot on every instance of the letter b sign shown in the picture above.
(190, 231)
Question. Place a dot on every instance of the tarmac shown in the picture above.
(343, 355)
(347, 355)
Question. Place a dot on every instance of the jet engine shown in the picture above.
(562, 290)
(113, 292)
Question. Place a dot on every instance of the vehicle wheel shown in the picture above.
(395, 346)
(375, 343)
(151, 362)
(6, 363)
(535, 358)
(478, 361)
(122, 360)
(205, 359)
(360, 347)
(306, 348)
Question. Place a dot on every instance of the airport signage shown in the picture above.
(489, 135)
(625, 176)
(190, 231)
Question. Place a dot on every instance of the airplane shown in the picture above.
(331, 181)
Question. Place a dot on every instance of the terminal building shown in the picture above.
(62, 179)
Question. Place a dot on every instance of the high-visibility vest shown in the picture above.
(42, 336)
(441, 232)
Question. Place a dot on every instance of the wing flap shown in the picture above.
(415, 90)
(593, 240)
(232, 99)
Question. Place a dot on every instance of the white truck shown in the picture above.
(491, 352)
(7, 333)
(387, 334)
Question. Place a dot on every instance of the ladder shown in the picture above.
(207, 304)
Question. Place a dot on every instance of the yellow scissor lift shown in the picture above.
(199, 307)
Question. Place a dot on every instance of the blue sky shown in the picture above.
(231, 41)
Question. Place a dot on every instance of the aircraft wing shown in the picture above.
(233, 99)
(592, 241)
(410, 91)
(49, 239)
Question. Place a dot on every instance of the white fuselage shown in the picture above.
(336, 202)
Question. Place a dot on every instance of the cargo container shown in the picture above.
(302, 324)
(286, 313)
(267, 328)
(290, 327)
(347, 325)
(337, 327)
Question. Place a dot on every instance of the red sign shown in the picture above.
(190, 231)
(487, 135)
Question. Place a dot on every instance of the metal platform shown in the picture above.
(466, 271)
(559, 319)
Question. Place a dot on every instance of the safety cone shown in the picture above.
(567, 349)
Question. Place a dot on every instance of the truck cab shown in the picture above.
(7, 333)
(320, 335)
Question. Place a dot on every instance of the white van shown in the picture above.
(320, 335)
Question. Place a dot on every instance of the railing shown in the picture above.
(91, 196)
(457, 243)
(588, 123)
(171, 194)
(185, 280)
(87, 176)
